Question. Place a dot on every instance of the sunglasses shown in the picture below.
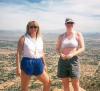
(69, 23)
(31, 27)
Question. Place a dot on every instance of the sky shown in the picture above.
(50, 14)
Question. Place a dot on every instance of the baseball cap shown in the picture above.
(69, 20)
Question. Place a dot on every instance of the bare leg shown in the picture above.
(24, 81)
(65, 82)
(46, 81)
(75, 83)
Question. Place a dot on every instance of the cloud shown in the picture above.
(50, 14)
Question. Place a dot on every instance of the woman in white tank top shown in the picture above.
(30, 47)
(69, 45)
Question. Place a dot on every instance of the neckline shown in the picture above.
(31, 37)
(72, 36)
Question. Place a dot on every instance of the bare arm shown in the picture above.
(58, 44)
(44, 58)
(81, 47)
(58, 47)
(19, 54)
(45, 66)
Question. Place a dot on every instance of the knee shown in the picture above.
(76, 84)
(65, 83)
(76, 87)
(25, 89)
(24, 86)
(47, 83)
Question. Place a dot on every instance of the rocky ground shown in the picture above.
(89, 60)
(90, 72)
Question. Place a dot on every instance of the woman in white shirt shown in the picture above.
(30, 48)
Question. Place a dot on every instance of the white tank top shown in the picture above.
(33, 48)
(69, 43)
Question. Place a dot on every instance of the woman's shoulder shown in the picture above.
(79, 34)
(61, 35)
(22, 38)
(40, 37)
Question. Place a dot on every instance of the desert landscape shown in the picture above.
(89, 64)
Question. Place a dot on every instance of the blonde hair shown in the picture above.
(34, 23)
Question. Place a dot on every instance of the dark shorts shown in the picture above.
(68, 68)
(32, 66)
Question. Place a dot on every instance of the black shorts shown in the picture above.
(68, 68)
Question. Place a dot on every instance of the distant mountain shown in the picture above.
(14, 35)
(10, 35)
(92, 35)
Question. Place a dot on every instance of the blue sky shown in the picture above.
(51, 14)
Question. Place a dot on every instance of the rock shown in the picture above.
(8, 84)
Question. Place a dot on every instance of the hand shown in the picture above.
(18, 71)
(45, 68)
(63, 56)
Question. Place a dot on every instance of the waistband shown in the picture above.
(74, 57)
(27, 58)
